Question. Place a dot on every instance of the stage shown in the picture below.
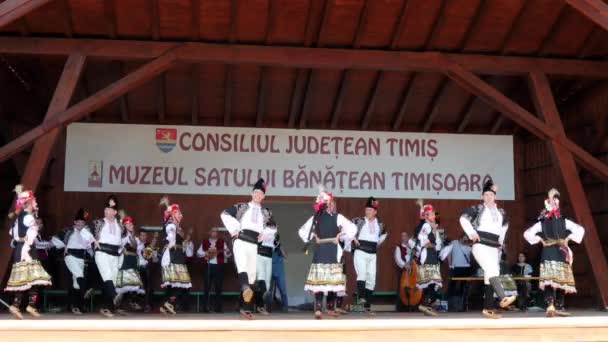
(582, 326)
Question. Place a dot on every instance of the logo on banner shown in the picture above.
(95, 173)
(166, 139)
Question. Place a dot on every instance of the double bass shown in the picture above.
(409, 294)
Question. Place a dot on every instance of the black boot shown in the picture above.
(488, 303)
(505, 300)
(361, 291)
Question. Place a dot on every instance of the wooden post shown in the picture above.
(522, 117)
(41, 151)
(595, 10)
(92, 103)
(545, 106)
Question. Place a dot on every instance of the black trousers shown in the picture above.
(144, 273)
(522, 294)
(213, 275)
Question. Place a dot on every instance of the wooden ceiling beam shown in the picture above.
(346, 75)
(67, 20)
(547, 109)
(109, 10)
(304, 57)
(435, 103)
(101, 98)
(11, 10)
(154, 12)
(195, 20)
(595, 10)
(316, 35)
(371, 101)
(301, 84)
(263, 80)
(522, 117)
(195, 85)
(408, 97)
(229, 73)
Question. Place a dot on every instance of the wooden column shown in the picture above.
(61, 99)
(41, 151)
(99, 99)
(546, 108)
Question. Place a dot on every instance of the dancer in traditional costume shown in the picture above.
(76, 242)
(486, 226)
(371, 234)
(555, 232)
(108, 258)
(27, 274)
(128, 280)
(264, 269)
(248, 223)
(147, 253)
(428, 245)
(175, 277)
(326, 227)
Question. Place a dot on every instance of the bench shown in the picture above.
(198, 294)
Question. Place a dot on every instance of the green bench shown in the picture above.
(198, 294)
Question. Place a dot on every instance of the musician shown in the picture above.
(266, 246)
(522, 269)
(370, 235)
(108, 235)
(128, 280)
(175, 277)
(402, 257)
(555, 232)
(147, 253)
(428, 245)
(486, 225)
(214, 253)
(458, 253)
(248, 224)
(75, 243)
(326, 228)
(27, 274)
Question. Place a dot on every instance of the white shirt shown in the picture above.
(252, 219)
(490, 221)
(398, 259)
(79, 239)
(111, 233)
(370, 232)
(201, 253)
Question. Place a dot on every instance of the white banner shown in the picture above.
(228, 161)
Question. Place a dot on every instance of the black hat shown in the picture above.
(372, 203)
(260, 185)
(81, 215)
(489, 186)
(112, 198)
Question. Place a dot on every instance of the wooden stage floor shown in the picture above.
(292, 327)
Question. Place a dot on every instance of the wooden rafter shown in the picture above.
(67, 21)
(546, 108)
(11, 10)
(346, 75)
(304, 57)
(595, 10)
(229, 72)
(102, 97)
(263, 80)
(371, 101)
(443, 87)
(408, 97)
(319, 38)
(109, 10)
(195, 24)
(195, 85)
(522, 117)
